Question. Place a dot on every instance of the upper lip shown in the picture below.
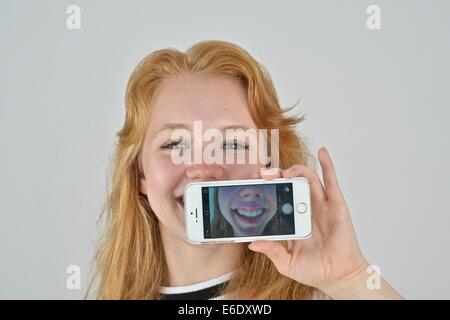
(249, 205)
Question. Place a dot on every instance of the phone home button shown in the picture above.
(301, 207)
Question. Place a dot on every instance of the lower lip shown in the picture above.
(249, 220)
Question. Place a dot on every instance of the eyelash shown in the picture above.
(236, 145)
(171, 144)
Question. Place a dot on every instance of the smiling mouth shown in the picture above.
(249, 215)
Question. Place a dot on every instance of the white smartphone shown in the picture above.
(247, 210)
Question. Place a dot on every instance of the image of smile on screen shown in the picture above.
(248, 210)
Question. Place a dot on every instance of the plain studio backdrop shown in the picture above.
(377, 99)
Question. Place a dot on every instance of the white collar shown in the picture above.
(196, 286)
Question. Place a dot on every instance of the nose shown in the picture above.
(250, 193)
(204, 172)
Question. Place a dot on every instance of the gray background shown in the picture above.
(379, 101)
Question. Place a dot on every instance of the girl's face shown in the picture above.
(219, 102)
(248, 208)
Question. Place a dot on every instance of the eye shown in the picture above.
(235, 145)
(174, 144)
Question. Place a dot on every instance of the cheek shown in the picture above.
(162, 177)
(225, 199)
(270, 193)
(271, 198)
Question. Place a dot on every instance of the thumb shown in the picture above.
(275, 251)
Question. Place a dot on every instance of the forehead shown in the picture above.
(214, 99)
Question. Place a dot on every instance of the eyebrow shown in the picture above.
(169, 126)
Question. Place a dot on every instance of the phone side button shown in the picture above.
(301, 207)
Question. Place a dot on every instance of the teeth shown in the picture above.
(250, 213)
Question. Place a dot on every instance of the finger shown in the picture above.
(271, 173)
(298, 170)
(290, 244)
(275, 251)
(332, 189)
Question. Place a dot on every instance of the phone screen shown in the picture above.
(248, 210)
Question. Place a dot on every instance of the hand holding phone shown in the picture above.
(247, 210)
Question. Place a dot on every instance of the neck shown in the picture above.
(188, 264)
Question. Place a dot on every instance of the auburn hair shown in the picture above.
(130, 262)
